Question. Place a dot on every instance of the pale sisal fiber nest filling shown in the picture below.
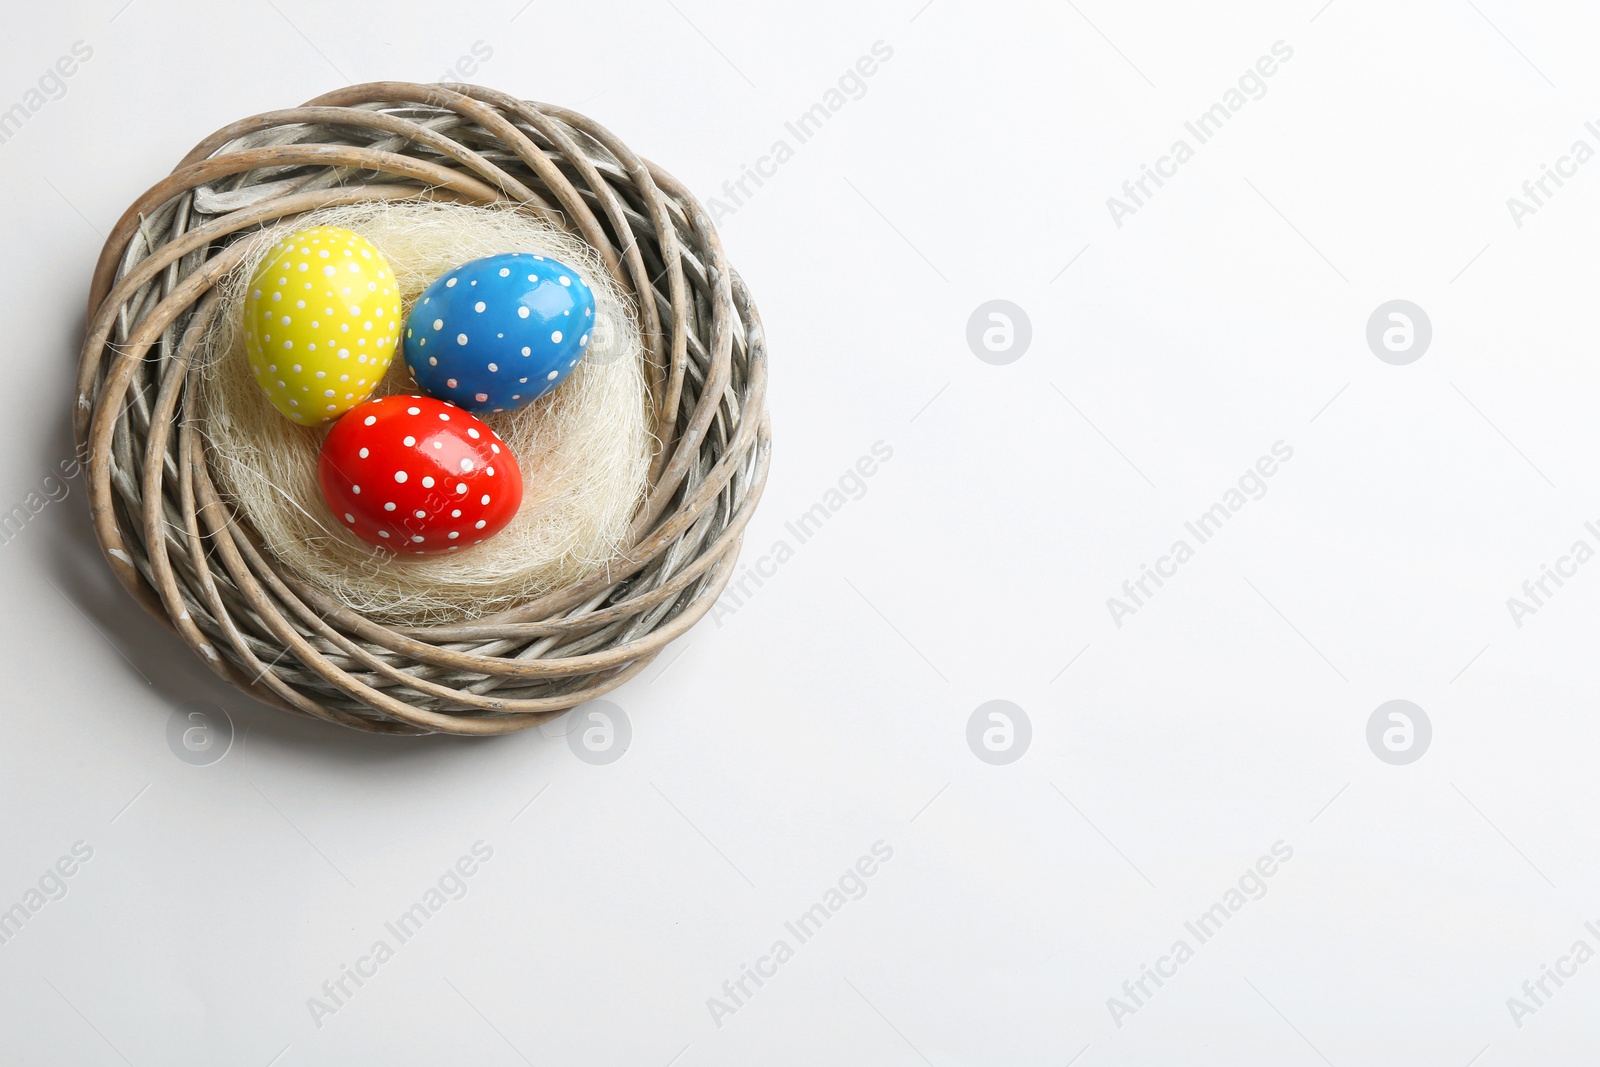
(584, 449)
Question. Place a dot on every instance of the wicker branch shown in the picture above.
(171, 537)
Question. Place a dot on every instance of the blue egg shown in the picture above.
(499, 332)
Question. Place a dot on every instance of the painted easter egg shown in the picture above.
(321, 321)
(418, 476)
(499, 332)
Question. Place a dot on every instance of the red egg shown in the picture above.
(418, 476)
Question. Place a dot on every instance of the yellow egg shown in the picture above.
(321, 323)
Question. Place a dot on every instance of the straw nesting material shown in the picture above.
(584, 449)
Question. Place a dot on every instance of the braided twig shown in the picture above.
(172, 539)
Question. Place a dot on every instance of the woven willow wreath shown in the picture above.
(172, 539)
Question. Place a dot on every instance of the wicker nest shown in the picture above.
(178, 548)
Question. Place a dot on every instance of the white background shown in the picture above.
(773, 747)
